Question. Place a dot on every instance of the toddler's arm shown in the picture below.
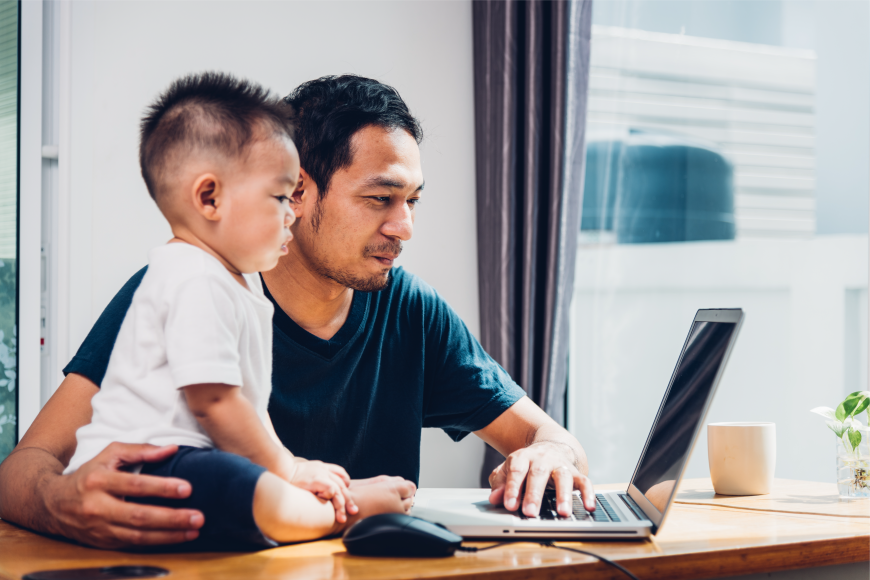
(319, 478)
(232, 423)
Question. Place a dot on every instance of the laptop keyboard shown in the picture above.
(604, 512)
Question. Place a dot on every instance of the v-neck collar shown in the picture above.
(326, 348)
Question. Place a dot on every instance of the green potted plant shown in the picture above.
(853, 443)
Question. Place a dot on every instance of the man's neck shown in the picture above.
(317, 304)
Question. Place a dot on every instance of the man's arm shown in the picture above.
(537, 450)
(88, 505)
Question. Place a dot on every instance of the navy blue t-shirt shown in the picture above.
(403, 360)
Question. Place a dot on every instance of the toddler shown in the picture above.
(192, 363)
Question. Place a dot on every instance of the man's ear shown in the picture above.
(304, 192)
(206, 194)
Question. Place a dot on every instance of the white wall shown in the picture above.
(124, 53)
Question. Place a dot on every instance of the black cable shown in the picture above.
(552, 545)
(585, 553)
(471, 549)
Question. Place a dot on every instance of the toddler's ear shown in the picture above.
(206, 190)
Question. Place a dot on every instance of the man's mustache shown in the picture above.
(392, 248)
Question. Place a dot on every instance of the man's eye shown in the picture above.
(414, 202)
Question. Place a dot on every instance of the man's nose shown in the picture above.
(400, 223)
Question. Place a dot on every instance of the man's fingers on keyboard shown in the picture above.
(496, 496)
(497, 477)
(563, 480)
(517, 468)
(536, 483)
(584, 484)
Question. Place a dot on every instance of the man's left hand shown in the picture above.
(531, 469)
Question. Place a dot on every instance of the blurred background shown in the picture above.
(727, 166)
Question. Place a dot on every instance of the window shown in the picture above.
(727, 166)
(8, 224)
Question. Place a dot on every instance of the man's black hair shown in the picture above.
(331, 109)
(209, 110)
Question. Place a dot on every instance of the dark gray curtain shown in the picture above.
(531, 68)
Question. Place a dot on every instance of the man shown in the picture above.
(364, 356)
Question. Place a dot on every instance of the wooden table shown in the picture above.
(800, 525)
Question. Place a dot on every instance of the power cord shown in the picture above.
(471, 549)
(585, 553)
(552, 545)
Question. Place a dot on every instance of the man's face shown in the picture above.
(353, 234)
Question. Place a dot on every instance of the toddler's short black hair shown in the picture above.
(331, 109)
(209, 110)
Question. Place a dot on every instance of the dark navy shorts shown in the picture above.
(223, 490)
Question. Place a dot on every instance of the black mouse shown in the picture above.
(399, 535)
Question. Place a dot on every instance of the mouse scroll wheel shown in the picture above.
(441, 526)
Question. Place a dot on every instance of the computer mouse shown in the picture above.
(399, 535)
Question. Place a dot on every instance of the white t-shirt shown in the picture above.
(190, 323)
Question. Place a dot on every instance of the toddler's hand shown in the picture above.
(326, 481)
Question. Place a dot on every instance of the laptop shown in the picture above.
(640, 510)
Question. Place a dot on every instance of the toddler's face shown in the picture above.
(255, 227)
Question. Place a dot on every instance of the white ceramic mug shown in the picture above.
(742, 457)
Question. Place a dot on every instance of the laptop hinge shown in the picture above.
(635, 509)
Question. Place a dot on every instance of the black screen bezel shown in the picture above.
(726, 315)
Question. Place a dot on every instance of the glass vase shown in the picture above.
(853, 469)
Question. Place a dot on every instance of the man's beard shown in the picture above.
(372, 283)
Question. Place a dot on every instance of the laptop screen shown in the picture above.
(683, 408)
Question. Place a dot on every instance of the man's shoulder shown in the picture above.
(411, 289)
(405, 282)
(414, 302)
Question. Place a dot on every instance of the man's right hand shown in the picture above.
(88, 505)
